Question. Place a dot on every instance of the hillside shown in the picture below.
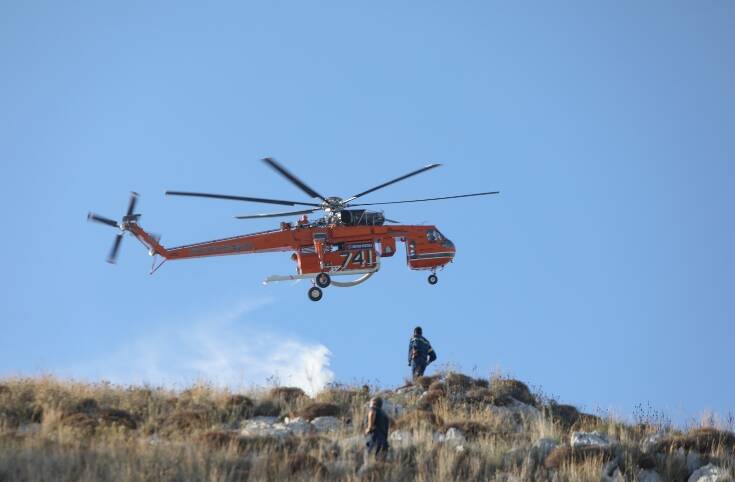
(446, 427)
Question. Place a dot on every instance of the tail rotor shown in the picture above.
(123, 226)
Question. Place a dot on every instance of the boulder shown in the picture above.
(455, 436)
(297, 426)
(516, 413)
(514, 457)
(693, 460)
(392, 409)
(400, 437)
(648, 475)
(326, 424)
(264, 428)
(611, 472)
(263, 419)
(589, 439)
(541, 448)
(409, 390)
(710, 473)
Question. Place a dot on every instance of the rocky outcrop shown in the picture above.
(710, 473)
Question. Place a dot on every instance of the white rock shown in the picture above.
(455, 436)
(459, 449)
(401, 437)
(393, 409)
(710, 473)
(410, 390)
(297, 426)
(528, 412)
(589, 439)
(648, 476)
(327, 424)
(263, 419)
(513, 412)
(438, 437)
(264, 428)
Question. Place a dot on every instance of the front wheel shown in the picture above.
(433, 279)
(315, 294)
(323, 280)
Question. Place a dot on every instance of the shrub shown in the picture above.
(80, 421)
(287, 394)
(458, 382)
(566, 455)
(565, 415)
(187, 421)
(418, 419)
(426, 381)
(469, 428)
(118, 418)
(701, 439)
(501, 389)
(314, 410)
(239, 407)
(267, 408)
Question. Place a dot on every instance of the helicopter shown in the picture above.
(349, 240)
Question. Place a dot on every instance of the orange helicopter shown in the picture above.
(344, 242)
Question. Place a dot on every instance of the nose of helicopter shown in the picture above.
(449, 245)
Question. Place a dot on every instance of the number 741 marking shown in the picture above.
(354, 257)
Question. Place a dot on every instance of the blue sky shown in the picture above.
(603, 271)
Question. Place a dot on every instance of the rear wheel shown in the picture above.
(433, 279)
(315, 294)
(323, 280)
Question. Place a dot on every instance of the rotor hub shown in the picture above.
(333, 204)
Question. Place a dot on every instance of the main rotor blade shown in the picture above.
(102, 220)
(275, 215)
(112, 258)
(427, 199)
(418, 171)
(131, 205)
(298, 182)
(240, 198)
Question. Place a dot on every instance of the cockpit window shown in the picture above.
(434, 236)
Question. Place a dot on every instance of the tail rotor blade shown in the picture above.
(133, 200)
(112, 258)
(92, 217)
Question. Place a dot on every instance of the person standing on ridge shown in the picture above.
(420, 353)
(377, 429)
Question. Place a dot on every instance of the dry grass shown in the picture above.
(68, 431)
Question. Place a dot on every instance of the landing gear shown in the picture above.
(433, 279)
(315, 293)
(323, 280)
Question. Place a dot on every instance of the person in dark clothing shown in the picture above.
(377, 429)
(420, 353)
